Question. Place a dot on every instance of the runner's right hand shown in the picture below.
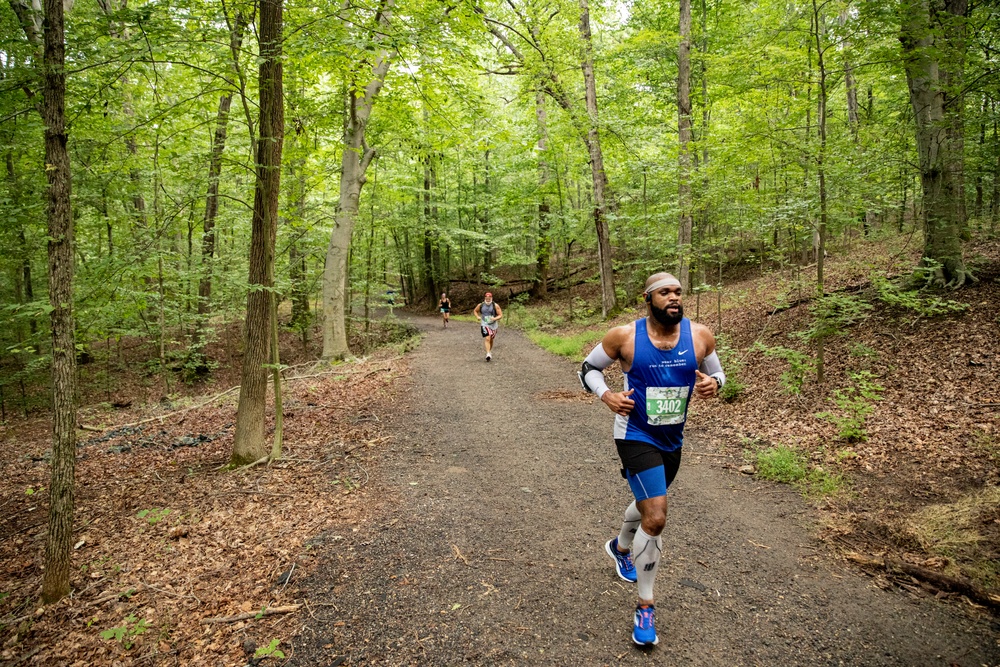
(619, 401)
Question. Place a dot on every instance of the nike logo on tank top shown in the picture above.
(663, 381)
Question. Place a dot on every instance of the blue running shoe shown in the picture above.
(623, 561)
(644, 634)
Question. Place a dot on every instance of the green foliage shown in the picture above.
(923, 305)
(192, 365)
(866, 356)
(584, 311)
(457, 186)
(269, 651)
(832, 314)
(516, 311)
(565, 346)
(988, 444)
(346, 483)
(855, 404)
(154, 515)
(800, 367)
(821, 483)
(732, 364)
(783, 464)
(862, 351)
(126, 633)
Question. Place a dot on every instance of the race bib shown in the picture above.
(666, 405)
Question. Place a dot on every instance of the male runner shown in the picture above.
(488, 313)
(665, 358)
(445, 306)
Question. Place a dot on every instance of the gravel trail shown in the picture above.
(495, 499)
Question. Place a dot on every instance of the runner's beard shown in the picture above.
(666, 319)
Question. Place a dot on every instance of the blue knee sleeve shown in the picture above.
(649, 483)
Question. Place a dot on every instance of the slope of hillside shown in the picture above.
(917, 478)
(920, 479)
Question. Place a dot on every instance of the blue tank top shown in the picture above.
(663, 382)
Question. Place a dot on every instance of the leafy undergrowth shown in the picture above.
(904, 430)
(167, 538)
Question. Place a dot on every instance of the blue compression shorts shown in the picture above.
(648, 469)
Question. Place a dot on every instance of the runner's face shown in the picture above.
(489, 299)
(665, 305)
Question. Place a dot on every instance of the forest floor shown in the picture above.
(433, 509)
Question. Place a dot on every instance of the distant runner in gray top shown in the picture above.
(488, 313)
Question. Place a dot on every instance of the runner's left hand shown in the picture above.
(705, 386)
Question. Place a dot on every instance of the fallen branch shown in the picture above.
(107, 597)
(97, 429)
(176, 595)
(161, 417)
(959, 585)
(11, 622)
(252, 493)
(27, 656)
(251, 614)
(337, 372)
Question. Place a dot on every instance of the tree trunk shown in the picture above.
(609, 300)
(356, 157)
(212, 198)
(929, 35)
(430, 289)
(488, 188)
(590, 135)
(850, 85)
(543, 247)
(818, 25)
(59, 538)
(686, 221)
(25, 286)
(249, 443)
(439, 257)
(297, 268)
(981, 165)
(854, 119)
(995, 199)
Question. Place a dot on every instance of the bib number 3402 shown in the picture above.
(666, 405)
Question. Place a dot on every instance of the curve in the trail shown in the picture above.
(497, 500)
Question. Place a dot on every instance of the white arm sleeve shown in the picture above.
(594, 379)
(711, 366)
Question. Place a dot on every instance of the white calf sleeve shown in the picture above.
(646, 557)
(629, 525)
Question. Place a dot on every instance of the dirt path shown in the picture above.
(488, 548)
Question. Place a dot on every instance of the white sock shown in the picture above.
(646, 557)
(629, 525)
